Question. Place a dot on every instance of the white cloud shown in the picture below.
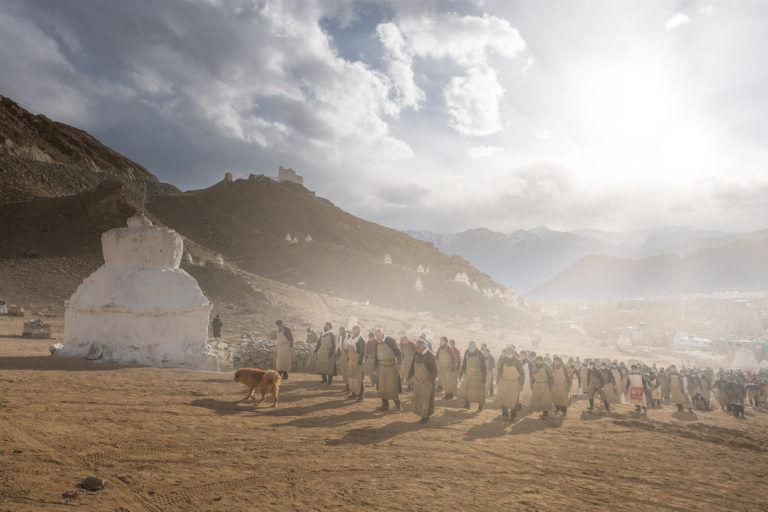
(192, 88)
(473, 102)
(679, 19)
(466, 40)
(399, 63)
(25, 51)
(480, 152)
(265, 74)
(471, 42)
(530, 61)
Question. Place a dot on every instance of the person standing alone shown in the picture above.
(216, 326)
(284, 349)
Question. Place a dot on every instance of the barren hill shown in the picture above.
(740, 266)
(61, 188)
(334, 252)
(40, 157)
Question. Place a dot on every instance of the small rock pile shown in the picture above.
(260, 353)
(36, 329)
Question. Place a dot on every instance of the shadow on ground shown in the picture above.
(531, 425)
(685, 416)
(330, 421)
(70, 364)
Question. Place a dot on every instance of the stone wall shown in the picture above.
(260, 353)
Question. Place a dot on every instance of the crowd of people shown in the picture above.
(516, 379)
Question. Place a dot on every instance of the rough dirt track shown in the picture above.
(171, 439)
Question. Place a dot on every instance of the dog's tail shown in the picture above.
(271, 376)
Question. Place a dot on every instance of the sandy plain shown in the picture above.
(175, 439)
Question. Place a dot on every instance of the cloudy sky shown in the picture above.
(439, 115)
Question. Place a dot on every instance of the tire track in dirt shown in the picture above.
(134, 453)
(193, 450)
(60, 455)
(128, 499)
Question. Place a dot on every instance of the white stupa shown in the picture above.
(418, 286)
(462, 277)
(140, 306)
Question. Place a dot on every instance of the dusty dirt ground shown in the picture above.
(172, 439)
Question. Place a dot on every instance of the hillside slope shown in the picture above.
(740, 266)
(336, 253)
(60, 189)
(40, 157)
(524, 259)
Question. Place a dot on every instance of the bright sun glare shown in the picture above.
(635, 122)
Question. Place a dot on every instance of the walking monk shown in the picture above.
(422, 375)
(325, 348)
(676, 390)
(284, 349)
(387, 379)
(561, 396)
(474, 373)
(342, 349)
(542, 385)
(636, 385)
(407, 353)
(355, 354)
(448, 368)
(510, 381)
(369, 364)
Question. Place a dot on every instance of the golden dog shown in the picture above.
(266, 381)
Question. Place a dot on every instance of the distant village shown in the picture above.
(703, 328)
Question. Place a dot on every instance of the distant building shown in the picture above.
(284, 174)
